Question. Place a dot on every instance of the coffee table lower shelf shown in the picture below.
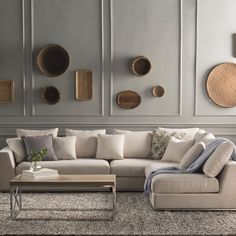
(63, 181)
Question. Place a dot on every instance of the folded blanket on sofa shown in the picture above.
(195, 167)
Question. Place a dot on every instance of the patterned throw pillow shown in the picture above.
(160, 140)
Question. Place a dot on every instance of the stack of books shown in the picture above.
(42, 173)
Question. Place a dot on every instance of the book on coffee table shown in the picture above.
(42, 173)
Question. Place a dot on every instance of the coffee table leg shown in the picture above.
(114, 197)
(15, 201)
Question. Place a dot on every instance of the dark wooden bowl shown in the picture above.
(52, 60)
(128, 99)
(141, 66)
(51, 95)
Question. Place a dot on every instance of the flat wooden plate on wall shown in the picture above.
(128, 99)
(221, 85)
(6, 91)
(83, 85)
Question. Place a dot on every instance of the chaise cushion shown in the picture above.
(135, 167)
(78, 166)
(184, 183)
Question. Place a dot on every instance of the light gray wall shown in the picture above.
(183, 39)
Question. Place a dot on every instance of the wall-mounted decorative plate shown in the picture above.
(141, 66)
(158, 91)
(51, 95)
(6, 91)
(83, 85)
(52, 60)
(221, 84)
(128, 99)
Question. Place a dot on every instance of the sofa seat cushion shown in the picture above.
(184, 183)
(79, 166)
(134, 166)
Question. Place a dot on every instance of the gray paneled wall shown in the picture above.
(183, 39)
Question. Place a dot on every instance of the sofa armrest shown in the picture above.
(7, 168)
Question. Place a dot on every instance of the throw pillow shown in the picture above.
(137, 143)
(160, 140)
(18, 148)
(86, 141)
(216, 162)
(199, 135)
(64, 147)
(30, 132)
(36, 143)
(189, 132)
(208, 138)
(176, 149)
(191, 155)
(110, 147)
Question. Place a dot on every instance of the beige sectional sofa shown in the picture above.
(168, 191)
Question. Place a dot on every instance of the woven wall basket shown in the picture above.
(158, 91)
(141, 66)
(51, 95)
(52, 60)
(221, 85)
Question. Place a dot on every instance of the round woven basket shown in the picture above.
(52, 60)
(221, 84)
(141, 66)
(51, 95)
(158, 91)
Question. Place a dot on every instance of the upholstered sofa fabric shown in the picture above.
(31, 132)
(190, 132)
(18, 147)
(184, 183)
(78, 166)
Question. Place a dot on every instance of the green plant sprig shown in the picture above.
(37, 156)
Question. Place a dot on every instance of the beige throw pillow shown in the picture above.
(176, 149)
(216, 162)
(199, 135)
(110, 147)
(64, 147)
(18, 148)
(191, 155)
(190, 132)
(137, 143)
(31, 132)
(208, 138)
(86, 141)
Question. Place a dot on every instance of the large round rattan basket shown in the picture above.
(52, 60)
(221, 84)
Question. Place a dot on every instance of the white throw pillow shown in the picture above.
(207, 138)
(191, 155)
(176, 149)
(18, 148)
(216, 162)
(199, 135)
(189, 132)
(86, 141)
(31, 132)
(64, 147)
(137, 143)
(110, 147)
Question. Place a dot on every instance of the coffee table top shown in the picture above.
(85, 180)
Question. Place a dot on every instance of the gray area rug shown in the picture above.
(134, 217)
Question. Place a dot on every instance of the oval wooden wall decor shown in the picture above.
(52, 60)
(158, 91)
(141, 66)
(51, 95)
(221, 85)
(128, 99)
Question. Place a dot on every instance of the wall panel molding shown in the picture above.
(33, 108)
(179, 75)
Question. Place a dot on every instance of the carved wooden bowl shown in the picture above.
(51, 95)
(141, 66)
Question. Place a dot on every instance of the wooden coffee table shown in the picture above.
(63, 182)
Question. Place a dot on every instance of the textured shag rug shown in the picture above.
(134, 216)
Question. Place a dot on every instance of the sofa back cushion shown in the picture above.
(137, 143)
(160, 140)
(31, 132)
(216, 162)
(190, 132)
(208, 138)
(110, 147)
(17, 146)
(86, 141)
(199, 135)
(191, 155)
(64, 147)
(36, 143)
(176, 149)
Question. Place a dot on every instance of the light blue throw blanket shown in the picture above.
(193, 168)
